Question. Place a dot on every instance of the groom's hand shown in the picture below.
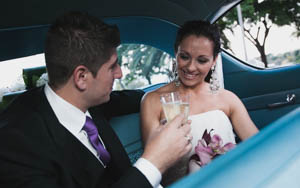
(170, 144)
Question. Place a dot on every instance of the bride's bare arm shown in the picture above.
(241, 121)
(150, 115)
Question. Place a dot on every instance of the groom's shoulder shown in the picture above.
(26, 99)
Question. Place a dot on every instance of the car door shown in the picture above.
(261, 57)
(267, 94)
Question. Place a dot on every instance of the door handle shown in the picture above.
(290, 99)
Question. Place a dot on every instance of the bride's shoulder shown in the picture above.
(226, 93)
(157, 92)
(229, 96)
(154, 96)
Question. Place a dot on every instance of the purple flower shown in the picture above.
(204, 152)
(209, 147)
(227, 147)
(216, 142)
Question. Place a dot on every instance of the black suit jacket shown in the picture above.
(37, 151)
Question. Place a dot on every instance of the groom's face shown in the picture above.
(102, 83)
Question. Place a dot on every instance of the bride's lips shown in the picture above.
(189, 76)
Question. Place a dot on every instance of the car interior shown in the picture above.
(271, 96)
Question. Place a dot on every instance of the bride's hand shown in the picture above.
(168, 144)
(162, 125)
(194, 166)
(162, 122)
(157, 130)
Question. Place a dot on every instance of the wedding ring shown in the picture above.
(163, 121)
(188, 138)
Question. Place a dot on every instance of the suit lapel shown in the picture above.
(79, 161)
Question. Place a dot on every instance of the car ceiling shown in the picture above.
(23, 24)
(16, 13)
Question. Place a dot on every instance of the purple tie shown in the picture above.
(92, 132)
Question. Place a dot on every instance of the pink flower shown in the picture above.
(210, 147)
(216, 142)
(204, 152)
(227, 147)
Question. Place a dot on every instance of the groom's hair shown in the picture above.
(77, 38)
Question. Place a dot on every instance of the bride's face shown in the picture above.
(194, 59)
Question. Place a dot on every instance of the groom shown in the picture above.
(57, 136)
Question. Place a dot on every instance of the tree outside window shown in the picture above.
(261, 18)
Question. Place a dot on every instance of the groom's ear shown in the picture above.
(80, 77)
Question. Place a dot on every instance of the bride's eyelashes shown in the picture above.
(186, 57)
(202, 60)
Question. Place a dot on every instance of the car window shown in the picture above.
(263, 33)
(142, 66)
(11, 73)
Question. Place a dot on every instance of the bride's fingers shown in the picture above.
(186, 128)
(163, 121)
(188, 137)
(188, 122)
(189, 146)
(176, 122)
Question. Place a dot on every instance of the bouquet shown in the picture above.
(208, 148)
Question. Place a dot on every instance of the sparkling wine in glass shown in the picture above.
(174, 104)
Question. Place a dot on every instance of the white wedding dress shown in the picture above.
(216, 120)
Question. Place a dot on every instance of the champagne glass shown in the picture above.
(173, 104)
(185, 106)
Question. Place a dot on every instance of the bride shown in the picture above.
(212, 109)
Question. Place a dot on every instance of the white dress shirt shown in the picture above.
(73, 120)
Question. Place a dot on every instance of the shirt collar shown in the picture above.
(67, 114)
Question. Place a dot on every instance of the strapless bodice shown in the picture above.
(216, 120)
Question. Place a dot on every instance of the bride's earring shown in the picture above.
(214, 84)
(175, 74)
